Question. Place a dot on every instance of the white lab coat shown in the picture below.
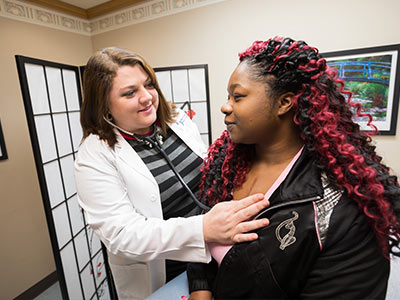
(121, 201)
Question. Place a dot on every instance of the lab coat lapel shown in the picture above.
(131, 158)
(189, 136)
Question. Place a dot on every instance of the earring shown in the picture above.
(108, 117)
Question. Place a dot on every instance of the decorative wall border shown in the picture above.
(41, 16)
(135, 14)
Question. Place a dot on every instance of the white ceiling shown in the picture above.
(85, 4)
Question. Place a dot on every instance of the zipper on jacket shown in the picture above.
(286, 204)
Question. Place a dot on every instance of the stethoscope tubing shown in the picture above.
(189, 191)
(158, 147)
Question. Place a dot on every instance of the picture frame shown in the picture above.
(3, 150)
(372, 75)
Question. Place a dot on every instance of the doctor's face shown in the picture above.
(133, 100)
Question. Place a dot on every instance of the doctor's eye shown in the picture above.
(129, 93)
(150, 85)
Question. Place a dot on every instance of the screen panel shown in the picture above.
(52, 98)
(187, 87)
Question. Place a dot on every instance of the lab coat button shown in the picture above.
(152, 198)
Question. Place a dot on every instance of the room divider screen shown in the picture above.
(187, 87)
(52, 99)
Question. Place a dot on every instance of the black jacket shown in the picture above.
(317, 246)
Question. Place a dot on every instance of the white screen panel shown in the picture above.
(205, 139)
(75, 214)
(62, 134)
(200, 117)
(164, 81)
(197, 85)
(71, 90)
(61, 223)
(393, 291)
(71, 272)
(189, 90)
(87, 282)
(103, 291)
(52, 94)
(180, 103)
(76, 129)
(67, 167)
(180, 85)
(81, 249)
(56, 92)
(37, 88)
(54, 184)
(44, 129)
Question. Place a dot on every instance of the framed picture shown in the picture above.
(372, 75)
(3, 151)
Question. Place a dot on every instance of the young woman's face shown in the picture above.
(250, 114)
(133, 100)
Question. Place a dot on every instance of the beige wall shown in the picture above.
(26, 255)
(214, 35)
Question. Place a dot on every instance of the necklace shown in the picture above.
(156, 136)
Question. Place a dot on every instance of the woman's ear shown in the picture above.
(285, 103)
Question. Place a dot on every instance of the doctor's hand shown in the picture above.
(199, 295)
(230, 222)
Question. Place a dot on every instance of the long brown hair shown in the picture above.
(99, 74)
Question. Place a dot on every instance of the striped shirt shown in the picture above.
(175, 200)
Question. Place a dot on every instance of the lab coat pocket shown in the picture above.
(131, 281)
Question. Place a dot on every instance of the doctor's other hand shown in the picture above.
(200, 295)
(230, 222)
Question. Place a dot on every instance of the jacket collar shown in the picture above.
(302, 182)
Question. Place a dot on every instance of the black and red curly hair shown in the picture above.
(323, 114)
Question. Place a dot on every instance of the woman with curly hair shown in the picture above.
(334, 207)
(136, 170)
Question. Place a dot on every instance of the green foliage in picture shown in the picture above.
(368, 79)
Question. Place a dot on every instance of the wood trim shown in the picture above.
(61, 7)
(87, 14)
(111, 6)
(39, 287)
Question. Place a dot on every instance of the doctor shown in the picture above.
(131, 196)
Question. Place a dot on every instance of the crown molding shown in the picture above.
(90, 13)
(60, 6)
(22, 11)
(144, 12)
(111, 6)
(131, 15)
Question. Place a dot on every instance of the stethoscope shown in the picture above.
(156, 143)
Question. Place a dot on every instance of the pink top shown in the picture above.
(219, 251)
